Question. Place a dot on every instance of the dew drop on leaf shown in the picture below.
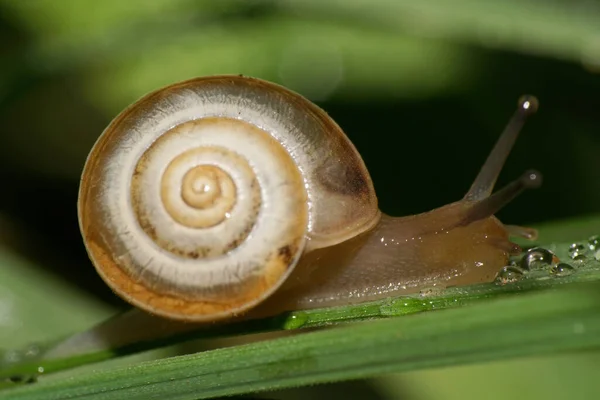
(509, 274)
(576, 247)
(577, 251)
(537, 258)
(594, 243)
(296, 320)
(562, 269)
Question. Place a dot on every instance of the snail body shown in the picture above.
(228, 195)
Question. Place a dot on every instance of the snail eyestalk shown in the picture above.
(492, 204)
(486, 179)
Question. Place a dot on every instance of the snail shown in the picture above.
(227, 196)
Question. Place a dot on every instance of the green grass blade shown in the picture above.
(536, 279)
(536, 323)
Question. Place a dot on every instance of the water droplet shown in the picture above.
(509, 274)
(597, 255)
(562, 269)
(537, 258)
(296, 320)
(579, 258)
(576, 250)
(594, 242)
(575, 247)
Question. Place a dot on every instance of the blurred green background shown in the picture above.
(422, 88)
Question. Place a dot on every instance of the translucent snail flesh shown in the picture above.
(230, 195)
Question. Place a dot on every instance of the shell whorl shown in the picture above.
(197, 195)
(198, 200)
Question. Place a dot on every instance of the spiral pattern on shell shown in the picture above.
(200, 190)
(198, 200)
(212, 212)
(194, 193)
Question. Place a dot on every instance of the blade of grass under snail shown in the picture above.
(532, 324)
(77, 355)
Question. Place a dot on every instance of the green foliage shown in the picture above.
(526, 325)
(70, 66)
(539, 313)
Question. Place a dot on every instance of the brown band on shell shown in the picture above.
(181, 308)
(343, 176)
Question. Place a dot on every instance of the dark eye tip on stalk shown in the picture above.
(532, 179)
(528, 104)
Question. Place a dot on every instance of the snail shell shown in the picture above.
(198, 200)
